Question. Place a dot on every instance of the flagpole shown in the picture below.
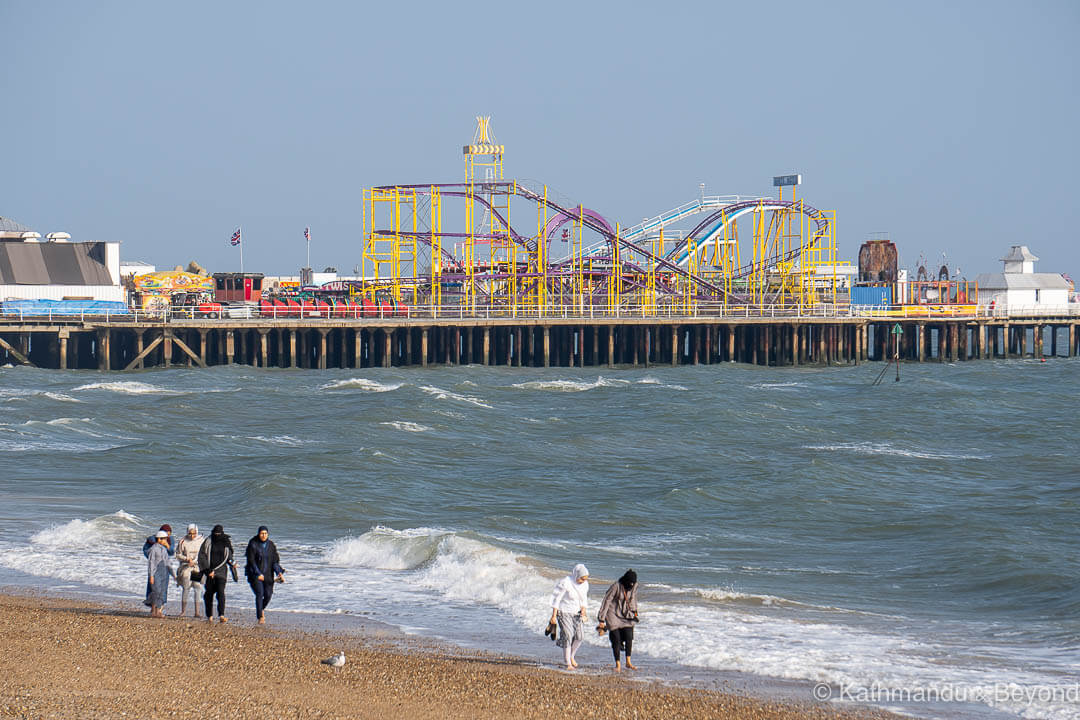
(308, 248)
(241, 229)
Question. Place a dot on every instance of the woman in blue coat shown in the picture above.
(158, 572)
(263, 566)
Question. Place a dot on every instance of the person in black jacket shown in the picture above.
(263, 564)
(215, 558)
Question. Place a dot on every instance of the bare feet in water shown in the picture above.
(618, 667)
(223, 620)
(262, 621)
(630, 665)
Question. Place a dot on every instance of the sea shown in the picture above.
(909, 544)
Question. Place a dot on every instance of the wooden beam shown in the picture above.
(183, 346)
(18, 355)
(146, 351)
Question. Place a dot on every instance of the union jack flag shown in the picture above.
(235, 238)
(307, 234)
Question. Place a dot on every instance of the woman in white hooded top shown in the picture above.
(568, 612)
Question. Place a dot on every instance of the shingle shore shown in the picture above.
(63, 658)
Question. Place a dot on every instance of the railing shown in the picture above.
(324, 315)
(1034, 311)
(331, 315)
(1000, 312)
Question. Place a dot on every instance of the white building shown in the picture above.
(1019, 290)
(135, 267)
(56, 268)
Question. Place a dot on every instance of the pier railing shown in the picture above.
(316, 313)
(320, 314)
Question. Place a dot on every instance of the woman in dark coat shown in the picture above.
(618, 615)
(263, 564)
(215, 560)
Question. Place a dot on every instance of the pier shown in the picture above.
(139, 343)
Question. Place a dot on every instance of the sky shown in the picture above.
(953, 127)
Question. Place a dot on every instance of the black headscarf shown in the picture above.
(628, 580)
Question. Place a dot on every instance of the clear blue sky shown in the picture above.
(953, 126)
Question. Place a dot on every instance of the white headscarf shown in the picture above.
(570, 595)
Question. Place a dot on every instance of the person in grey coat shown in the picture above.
(618, 614)
(158, 572)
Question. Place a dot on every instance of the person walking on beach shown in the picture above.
(568, 612)
(263, 564)
(187, 575)
(151, 541)
(158, 571)
(617, 615)
(215, 560)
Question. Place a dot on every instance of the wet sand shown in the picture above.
(63, 658)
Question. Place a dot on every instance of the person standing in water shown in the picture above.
(187, 575)
(158, 571)
(263, 564)
(215, 560)
(617, 615)
(568, 612)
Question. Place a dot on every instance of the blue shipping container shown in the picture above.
(875, 295)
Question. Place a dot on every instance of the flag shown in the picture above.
(307, 234)
(236, 238)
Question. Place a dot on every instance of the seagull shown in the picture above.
(336, 661)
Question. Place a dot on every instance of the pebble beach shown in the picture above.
(65, 658)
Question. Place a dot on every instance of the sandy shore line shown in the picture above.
(68, 658)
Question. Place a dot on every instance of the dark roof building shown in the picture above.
(57, 268)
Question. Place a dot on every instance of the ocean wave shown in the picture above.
(406, 426)
(666, 386)
(129, 387)
(872, 448)
(13, 395)
(286, 440)
(117, 526)
(361, 384)
(384, 548)
(775, 385)
(728, 595)
(570, 385)
(56, 435)
(440, 394)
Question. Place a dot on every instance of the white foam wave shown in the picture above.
(570, 385)
(728, 595)
(286, 440)
(119, 525)
(129, 387)
(406, 426)
(361, 384)
(385, 549)
(666, 386)
(61, 397)
(776, 385)
(440, 394)
(873, 448)
(11, 395)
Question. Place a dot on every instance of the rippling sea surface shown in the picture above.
(799, 524)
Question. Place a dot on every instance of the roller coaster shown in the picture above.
(456, 247)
